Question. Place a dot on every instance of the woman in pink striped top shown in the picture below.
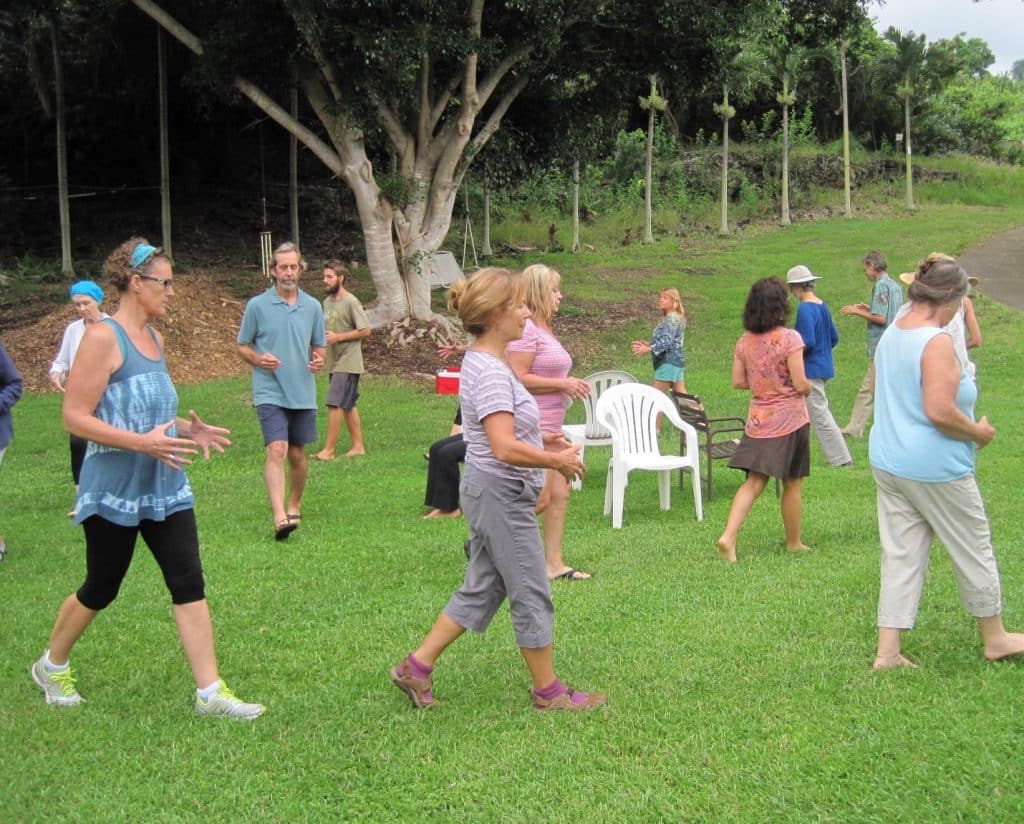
(543, 365)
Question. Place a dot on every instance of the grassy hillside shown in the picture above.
(736, 693)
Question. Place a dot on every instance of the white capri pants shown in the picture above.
(910, 515)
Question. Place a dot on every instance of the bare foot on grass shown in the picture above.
(1009, 646)
(324, 456)
(799, 548)
(353, 452)
(440, 513)
(726, 550)
(884, 662)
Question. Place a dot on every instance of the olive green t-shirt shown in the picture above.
(344, 315)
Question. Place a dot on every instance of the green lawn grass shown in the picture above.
(736, 693)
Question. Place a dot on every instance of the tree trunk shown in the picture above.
(724, 228)
(785, 163)
(293, 167)
(910, 165)
(485, 246)
(165, 155)
(649, 178)
(846, 135)
(63, 204)
(575, 206)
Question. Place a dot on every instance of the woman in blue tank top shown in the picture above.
(922, 455)
(120, 399)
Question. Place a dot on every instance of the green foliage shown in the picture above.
(981, 116)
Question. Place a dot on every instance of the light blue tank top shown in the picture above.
(127, 487)
(903, 441)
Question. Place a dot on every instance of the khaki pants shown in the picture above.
(863, 404)
(910, 515)
(825, 427)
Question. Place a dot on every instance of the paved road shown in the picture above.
(999, 262)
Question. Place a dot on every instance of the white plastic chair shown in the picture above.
(592, 433)
(630, 411)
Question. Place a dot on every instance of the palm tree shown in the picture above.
(902, 68)
(787, 66)
(740, 72)
(652, 104)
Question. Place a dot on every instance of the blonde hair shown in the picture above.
(541, 283)
(489, 290)
(117, 268)
(677, 302)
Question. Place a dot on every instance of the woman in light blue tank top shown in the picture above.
(120, 398)
(922, 455)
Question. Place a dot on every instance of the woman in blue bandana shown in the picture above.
(86, 296)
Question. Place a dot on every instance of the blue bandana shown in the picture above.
(140, 254)
(89, 289)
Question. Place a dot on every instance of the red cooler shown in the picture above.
(446, 381)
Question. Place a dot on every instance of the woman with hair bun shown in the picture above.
(120, 398)
(922, 454)
(505, 463)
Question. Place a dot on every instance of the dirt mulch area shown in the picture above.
(204, 315)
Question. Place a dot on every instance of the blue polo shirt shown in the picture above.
(288, 332)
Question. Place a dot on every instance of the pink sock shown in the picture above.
(416, 668)
(557, 688)
(552, 690)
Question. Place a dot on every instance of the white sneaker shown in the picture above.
(59, 687)
(224, 702)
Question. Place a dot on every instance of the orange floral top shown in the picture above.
(776, 408)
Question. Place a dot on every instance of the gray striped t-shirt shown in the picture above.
(487, 385)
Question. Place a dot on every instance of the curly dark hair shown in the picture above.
(767, 306)
(118, 266)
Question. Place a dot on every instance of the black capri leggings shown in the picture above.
(174, 543)
(78, 447)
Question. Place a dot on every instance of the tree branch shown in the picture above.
(328, 156)
(173, 27)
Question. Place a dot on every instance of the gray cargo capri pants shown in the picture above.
(506, 559)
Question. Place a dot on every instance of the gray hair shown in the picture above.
(288, 246)
(876, 260)
(941, 282)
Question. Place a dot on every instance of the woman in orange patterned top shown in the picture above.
(769, 361)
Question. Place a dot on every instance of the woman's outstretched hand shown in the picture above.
(207, 437)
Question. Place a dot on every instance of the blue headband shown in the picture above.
(89, 289)
(140, 254)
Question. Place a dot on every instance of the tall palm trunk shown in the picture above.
(649, 179)
(575, 205)
(910, 163)
(723, 229)
(846, 132)
(785, 162)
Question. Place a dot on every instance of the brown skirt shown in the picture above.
(788, 456)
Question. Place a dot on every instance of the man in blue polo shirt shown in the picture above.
(282, 338)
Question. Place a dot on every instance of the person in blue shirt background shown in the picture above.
(815, 325)
(10, 390)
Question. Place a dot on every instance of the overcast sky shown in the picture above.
(1000, 23)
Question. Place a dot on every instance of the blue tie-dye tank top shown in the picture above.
(127, 487)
